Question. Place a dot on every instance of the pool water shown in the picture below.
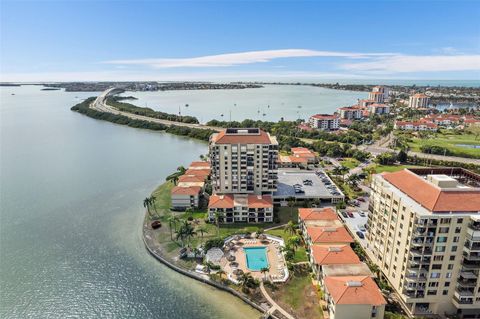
(256, 258)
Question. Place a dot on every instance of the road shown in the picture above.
(100, 105)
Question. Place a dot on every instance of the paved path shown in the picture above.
(275, 306)
(100, 105)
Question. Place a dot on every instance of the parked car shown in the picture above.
(362, 214)
(344, 214)
(360, 235)
(361, 199)
(350, 214)
(361, 228)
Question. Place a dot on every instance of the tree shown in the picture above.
(172, 220)
(402, 156)
(185, 233)
(264, 270)
(202, 230)
(290, 228)
(247, 281)
(353, 180)
(293, 242)
(146, 204)
(291, 204)
(153, 200)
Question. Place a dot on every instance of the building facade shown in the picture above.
(350, 113)
(418, 100)
(324, 122)
(424, 234)
(244, 161)
(377, 97)
(240, 208)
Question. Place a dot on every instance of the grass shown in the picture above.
(300, 253)
(350, 162)
(391, 168)
(449, 140)
(298, 296)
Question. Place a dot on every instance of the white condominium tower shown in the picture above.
(424, 234)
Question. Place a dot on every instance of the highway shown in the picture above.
(100, 105)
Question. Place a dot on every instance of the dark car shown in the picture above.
(344, 214)
(360, 235)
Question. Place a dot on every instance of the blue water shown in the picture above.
(468, 145)
(256, 258)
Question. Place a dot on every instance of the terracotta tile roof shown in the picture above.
(298, 159)
(238, 138)
(220, 201)
(432, 197)
(317, 214)
(324, 117)
(320, 235)
(191, 178)
(420, 95)
(198, 172)
(191, 190)
(300, 150)
(354, 290)
(199, 165)
(258, 201)
(331, 255)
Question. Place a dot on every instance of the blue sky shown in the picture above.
(195, 40)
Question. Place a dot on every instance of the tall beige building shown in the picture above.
(244, 161)
(424, 234)
(418, 100)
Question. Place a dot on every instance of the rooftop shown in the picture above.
(358, 269)
(232, 200)
(438, 194)
(334, 255)
(326, 213)
(243, 136)
(190, 190)
(325, 116)
(320, 235)
(354, 290)
(199, 165)
(191, 178)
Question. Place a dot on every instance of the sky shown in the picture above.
(239, 40)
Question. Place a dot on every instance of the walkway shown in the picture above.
(275, 306)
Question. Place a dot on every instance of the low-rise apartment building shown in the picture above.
(415, 126)
(351, 112)
(242, 208)
(424, 234)
(325, 122)
(353, 297)
(378, 109)
(185, 197)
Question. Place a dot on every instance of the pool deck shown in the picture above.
(278, 271)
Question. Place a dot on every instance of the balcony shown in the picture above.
(464, 292)
(468, 264)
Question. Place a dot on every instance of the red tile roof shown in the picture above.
(334, 255)
(320, 235)
(198, 172)
(354, 290)
(221, 201)
(238, 138)
(432, 197)
(317, 214)
(199, 164)
(191, 190)
(191, 178)
(324, 117)
(258, 201)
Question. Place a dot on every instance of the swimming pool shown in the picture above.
(256, 258)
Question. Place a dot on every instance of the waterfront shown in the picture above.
(248, 103)
(71, 216)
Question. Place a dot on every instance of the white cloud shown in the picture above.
(411, 63)
(231, 59)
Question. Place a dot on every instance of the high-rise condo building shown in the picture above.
(424, 234)
(418, 100)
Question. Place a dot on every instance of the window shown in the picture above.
(440, 249)
(452, 257)
(435, 275)
(437, 266)
(449, 275)
(447, 284)
(454, 248)
(441, 239)
(445, 292)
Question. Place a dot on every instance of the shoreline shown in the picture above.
(155, 250)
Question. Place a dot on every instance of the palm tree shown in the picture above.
(353, 180)
(220, 273)
(146, 204)
(294, 242)
(153, 200)
(172, 220)
(202, 230)
(291, 204)
(264, 270)
(185, 232)
(290, 228)
(246, 281)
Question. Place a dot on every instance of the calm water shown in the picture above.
(70, 216)
(284, 101)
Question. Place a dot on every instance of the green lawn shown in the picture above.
(350, 162)
(300, 253)
(391, 168)
(450, 141)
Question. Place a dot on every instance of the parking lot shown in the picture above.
(355, 222)
(305, 184)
